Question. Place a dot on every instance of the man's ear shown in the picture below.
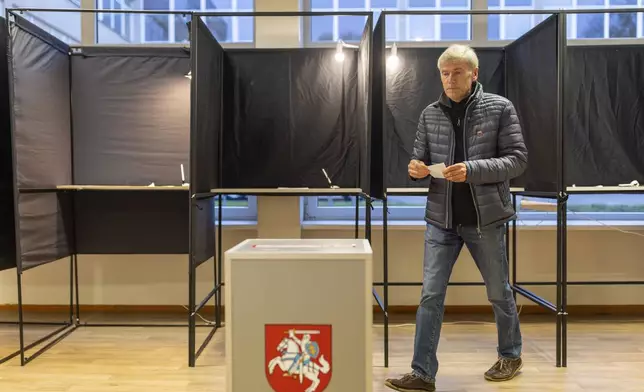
(475, 74)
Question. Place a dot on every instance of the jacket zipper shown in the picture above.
(476, 207)
(448, 197)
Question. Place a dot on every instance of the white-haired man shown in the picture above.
(478, 136)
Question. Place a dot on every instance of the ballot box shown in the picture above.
(298, 315)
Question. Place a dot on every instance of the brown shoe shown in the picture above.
(504, 369)
(410, 383)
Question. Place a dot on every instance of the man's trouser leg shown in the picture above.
(488, 252)
(442, 248)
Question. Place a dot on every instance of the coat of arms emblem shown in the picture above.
(298, 357)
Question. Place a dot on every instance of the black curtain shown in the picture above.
(7, 205)
(40, 94)
(604, 115)
(131, 111)
(378, 183)
(363, 103)
(533, 86)
(410, 87)
(294, 113)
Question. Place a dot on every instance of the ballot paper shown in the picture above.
(436, 170)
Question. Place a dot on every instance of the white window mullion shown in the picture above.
(640, 20)
(142, 27)
(336, 21)
(235, 20)
(171, 33)
(606, 20)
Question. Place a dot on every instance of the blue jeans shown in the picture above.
(442, 248)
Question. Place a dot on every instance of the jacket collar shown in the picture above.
(476, 94)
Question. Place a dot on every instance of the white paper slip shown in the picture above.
(436, 170)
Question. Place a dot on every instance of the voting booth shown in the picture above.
(298, 315)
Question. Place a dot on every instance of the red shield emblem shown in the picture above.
(298, 357)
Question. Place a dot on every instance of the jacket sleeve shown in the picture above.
(420, 150)
(513, 154)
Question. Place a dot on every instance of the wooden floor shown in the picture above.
(604, 355)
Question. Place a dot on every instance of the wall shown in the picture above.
(594, 253)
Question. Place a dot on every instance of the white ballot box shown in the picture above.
(298, 315)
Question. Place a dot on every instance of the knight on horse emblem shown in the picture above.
(301, 354)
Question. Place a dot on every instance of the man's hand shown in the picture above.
(417, 169)
(456, 173)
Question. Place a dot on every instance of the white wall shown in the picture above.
(594, 253)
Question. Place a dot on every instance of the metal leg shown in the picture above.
(219, 260)
(21, 319)
(514, 249)
(191, 294)
(559, 280)
(75, 257)
(564, 282)
(357, 228)
(385, 274)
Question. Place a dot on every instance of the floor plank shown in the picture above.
(604, 354)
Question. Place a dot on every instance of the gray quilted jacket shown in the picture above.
(495, 153)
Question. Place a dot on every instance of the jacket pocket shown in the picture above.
(504, 193)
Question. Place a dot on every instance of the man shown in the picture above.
(478, 137)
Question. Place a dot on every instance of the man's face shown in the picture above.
(457, 78)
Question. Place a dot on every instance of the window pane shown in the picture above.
(322, 28)
(546, 4)
(351, 4)
(421, 27)
(321, 4)
(156, 28)
(351, 27)
(590, 26)
(181, 33)
(590, 2)
(454, 27)
(422, 3)
(384, 4)
(517, 25)
(623, 2)
(220, 27)
(246, 29)
(518, 3)
(391, 25)
(245, 5)
(156, 4)
(493, 3)
(220, 4)
(494, 27)
(182, 5)
(623, 25)
(455, 3)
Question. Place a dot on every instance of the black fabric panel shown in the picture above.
(132, 222)
(45, 228)
(7, 205)
(413, 85)
(532, 85)
(604, 121)
(41, 109)
(294, 115)
(207, 59)
(131, 117)
(363, 106)
(203, 230)
(378, 84)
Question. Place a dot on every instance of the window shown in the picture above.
(587, 26)
(399, 27)
(237, 208)
(159, 28)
